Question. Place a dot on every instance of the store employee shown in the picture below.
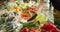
(56, 5)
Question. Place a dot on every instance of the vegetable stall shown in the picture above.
(24, 17)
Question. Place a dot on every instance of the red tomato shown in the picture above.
(48, 27)
(32, 8)
(25, 16)
(25, 30)
(35, 30)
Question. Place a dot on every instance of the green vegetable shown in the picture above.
(24, 5)
(29, 25)
(42, 18)
(1, 20)
(8, 8)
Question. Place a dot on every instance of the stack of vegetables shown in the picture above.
(35, 22)
(48, 27)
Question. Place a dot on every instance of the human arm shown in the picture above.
(40, 4)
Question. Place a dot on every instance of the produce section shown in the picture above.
(24, 17)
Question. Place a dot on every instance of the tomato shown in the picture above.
(25, 30)
(32, 8)
(35, 30)
(25, 16)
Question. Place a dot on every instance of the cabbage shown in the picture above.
(42, 18)
(24, 5)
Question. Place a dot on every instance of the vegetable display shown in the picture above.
(23, 17)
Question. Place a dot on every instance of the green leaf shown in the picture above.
(1, 21)
(29, 25)
(8, 8)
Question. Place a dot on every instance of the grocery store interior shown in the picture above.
(29, 16)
